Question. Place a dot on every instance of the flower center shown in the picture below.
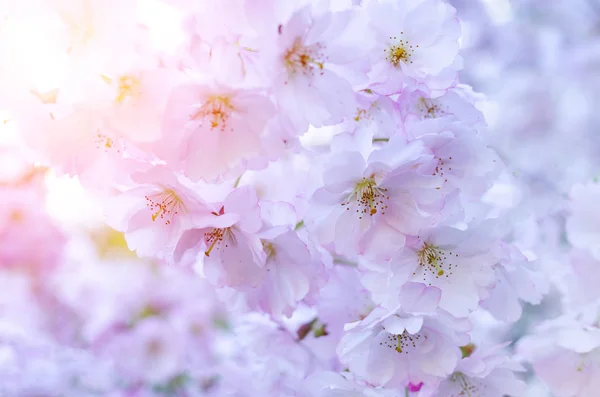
(400, 52)
(164, 205)
(362, 114)
(369, 198)
(216, 110)
(466, 387)
(215, 237)
(441, 167)
(304, 59)
(432, 259)
(401, 343)
(128, 87)
(269, 249)
(104, 142)
(429, 109)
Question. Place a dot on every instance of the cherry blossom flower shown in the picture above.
(155, 212)
(290, 270)
(564, 353)
(463, 161)
(372, 204)
(416, 42)
(233, 252)
(456, 103)
(227, 49)
(75, 141)
(376, 115)
(136, 100)
(485, 372)
(516, 279)
(459, 263)
(311, 47)
(395, 348)
(209, 130)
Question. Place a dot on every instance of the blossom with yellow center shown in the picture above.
(369, 198)
(165, 205)
(304, 59)
(216, 110)
(399, 52)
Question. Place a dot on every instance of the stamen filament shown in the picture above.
(440, 272)
(434, 258)
(214, 238)
(368, 197)
(207, 252)
(164, 204)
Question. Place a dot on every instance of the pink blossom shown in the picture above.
(486, 371)
(416, 41)
(310, 49)
(565, 354)
(227, 48)
(290, 272)
(76, 141)
(395, 348)
(376, 115)
(370, 205)
(517, 279)
(456, 103)
(232, 250)
(155, 212)
(457, 262)
(210, 129)
(136, 99)
(462, 160)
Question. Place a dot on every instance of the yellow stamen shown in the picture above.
(214, 238)
(269, 249)
(128, 87)
(216, 110)
(399, 347)
(304, 59)
(401, 52)
(165, 205)
(369, 197)
(432, 256)
(207, 252)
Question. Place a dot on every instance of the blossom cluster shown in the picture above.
(299, 198)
